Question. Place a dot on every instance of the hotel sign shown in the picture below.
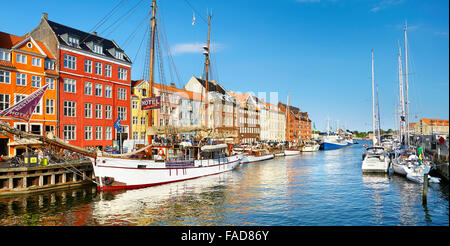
(150, 103)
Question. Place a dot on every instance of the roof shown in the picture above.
(212, 86)
(8, 41)
(85, 39)
(181, 92)
(436, 122)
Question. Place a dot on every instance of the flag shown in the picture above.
(193, 18)
(117, 124)
(25, 108)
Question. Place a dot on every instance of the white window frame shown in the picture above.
(70, 62)
(98, 132)
(98, 111)
(88, 133)
(37, 62)
(21, 79)
(50, 106)
(69, 109)
(88, 110)
(108, 91)
(98, 90)
(69, 132)
(20, 58)
(108, 70)
(5, 77)
(87, 66)
(70, 85)
(108, 112)
(36, 81)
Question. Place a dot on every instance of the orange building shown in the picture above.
(292, 122)
(25, 66)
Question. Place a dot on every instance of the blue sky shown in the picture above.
(318, 51)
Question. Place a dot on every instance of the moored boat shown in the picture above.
(257, 155)
(291, 152)
(375, 161)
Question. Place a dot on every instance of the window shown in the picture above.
(21, 79)
(98, 132)
(88, 110)
(98, 90)
(49, 106)
(70, 85)
(122, 73)
(88, 66)
(74, 42)
(135, 135)
(21, 58)
(135, 104)
(50, 129)
(143, 120)
(4, 101)
(122, 94)
(69, 132)
(108, 70)
(108, 91)
(35, 81)
(144, 92)
(5, 77)
(108, 133)
(135, 120)
(5, 55)
(88, 132)
(88, 88)
(49, 65)
(51, 83)
(143, 135)
(69, 108)
(108, 112)
(98, 48)
(98, 68)
(36, 61)
(122, 113)
(119, 55)
(98, 111)
(70, 62)
(18, 98)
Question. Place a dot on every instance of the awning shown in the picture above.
(25, 141)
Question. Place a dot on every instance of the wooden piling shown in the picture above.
(425, 188)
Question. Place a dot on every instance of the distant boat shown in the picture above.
(256, 156)
(291, 152)
(310, 146)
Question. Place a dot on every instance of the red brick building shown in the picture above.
(292, 122)
(94, 85)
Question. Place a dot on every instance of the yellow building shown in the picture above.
(139, 118)
(431, 126)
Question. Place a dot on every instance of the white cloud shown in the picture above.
(385, 4)
(196, 47)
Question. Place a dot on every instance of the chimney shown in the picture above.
(95, 33)
(45, 16)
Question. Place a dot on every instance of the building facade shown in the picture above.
(25, 66)
(292, 122)
(431, 126)
(94, 85)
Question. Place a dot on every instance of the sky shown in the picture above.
(316, 51)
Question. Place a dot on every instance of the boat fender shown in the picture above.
(108, 180)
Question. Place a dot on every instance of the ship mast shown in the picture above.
(152, 61)
(406, 89)
(207, 63)
(373, 106)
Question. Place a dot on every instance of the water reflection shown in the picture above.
(49, 208)
(326, 188)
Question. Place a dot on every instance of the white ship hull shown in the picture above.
(310, 148)
(375, 165)
(291, 152)
(252, 158)
(118, 174)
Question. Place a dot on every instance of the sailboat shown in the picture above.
(376, 159)
(406, 162)
(168, 163)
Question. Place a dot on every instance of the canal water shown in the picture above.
(326, 188)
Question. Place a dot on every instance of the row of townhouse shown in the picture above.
(90, 85)
(240, 117)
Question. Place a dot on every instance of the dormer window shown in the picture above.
(119, 55)
(74, 42)
(98, 48)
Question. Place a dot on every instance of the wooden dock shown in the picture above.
(23, 180)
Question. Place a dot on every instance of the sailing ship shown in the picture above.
(376, 159)
(168, 163)
(406, 162)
